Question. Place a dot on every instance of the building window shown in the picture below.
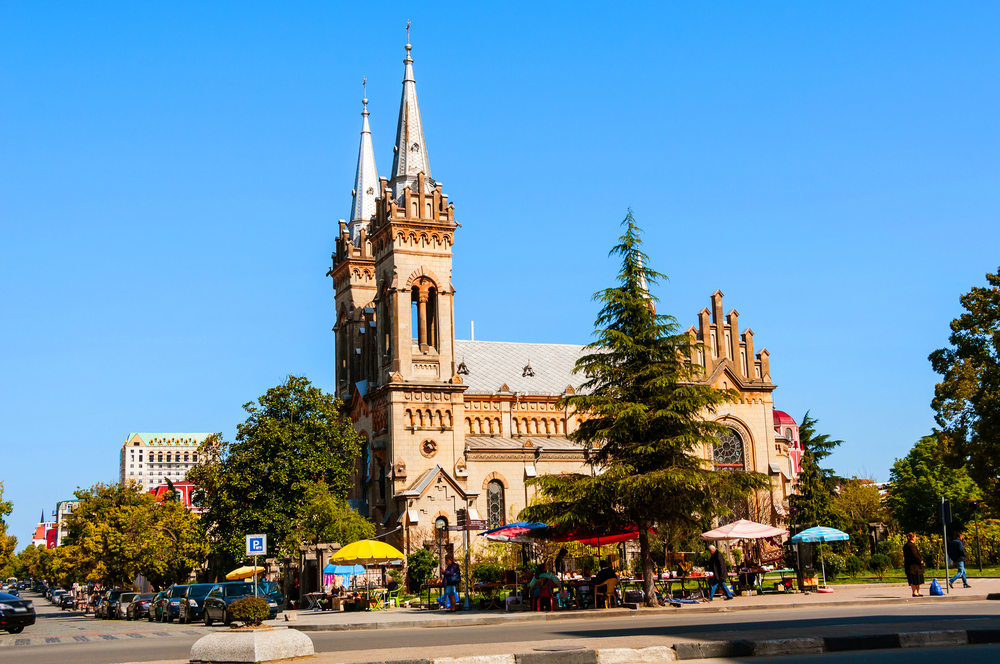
(788, 434)
(494, 503)
(728, 452)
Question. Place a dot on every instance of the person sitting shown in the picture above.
(539, 578)
(605, 574)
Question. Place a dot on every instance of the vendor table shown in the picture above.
(493, 594)
(433, 583)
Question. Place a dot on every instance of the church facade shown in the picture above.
(451, 424)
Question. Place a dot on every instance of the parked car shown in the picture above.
(272, 591)
(138, 608)
(56, 594)
(15, 613)
(221, 596)
(192, 605)
(155, 606)
(170, 603)
(120, 606)
(67, 601)
(105, 609)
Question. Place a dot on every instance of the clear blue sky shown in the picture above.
(171, 175)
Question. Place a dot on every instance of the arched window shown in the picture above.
(728, 452)
(788, 434)
(494, 503)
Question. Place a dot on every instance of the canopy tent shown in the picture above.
(244, 573)
(819, 534)
(520, 532)
(742, 529)
(331, 572)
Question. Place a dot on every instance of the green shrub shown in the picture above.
(251, 611)
(879, 563)
(487, 571)
(854, 565)
(737, 557)
(835, 564)
(419, 566)
(892, 547)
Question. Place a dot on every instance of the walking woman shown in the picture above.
(913, 564)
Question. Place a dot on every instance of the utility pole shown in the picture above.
(975, 515)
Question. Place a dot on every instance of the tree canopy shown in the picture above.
(967, 400)
(920, 480)
(644, 420)
(326, 518)
(8, 543)
(295, 435)
(117, 532)
(813, 503)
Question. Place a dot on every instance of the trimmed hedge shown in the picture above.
(250, 611)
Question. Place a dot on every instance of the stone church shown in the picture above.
(451, 424)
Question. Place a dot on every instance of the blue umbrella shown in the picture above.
(344, 570)
(820, 534)
(521, 531)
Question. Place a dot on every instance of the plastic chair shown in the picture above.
(544, 596)
(392, 598)
(604, 594)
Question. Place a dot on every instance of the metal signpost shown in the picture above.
(945, 513)
(256, 546)
(465, 525)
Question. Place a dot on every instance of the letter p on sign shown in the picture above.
(256, 545)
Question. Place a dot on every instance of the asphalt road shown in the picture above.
(144, 642)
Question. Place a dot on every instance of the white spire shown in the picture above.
(366, 180)
(410, 153)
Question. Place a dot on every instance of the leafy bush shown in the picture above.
(251, 611)
(879, 563)
(854, 565)
(420, 565)
(835, 564)
(737, 557)
(487, 571)
(892, 547)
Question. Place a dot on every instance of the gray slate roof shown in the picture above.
(493, 363)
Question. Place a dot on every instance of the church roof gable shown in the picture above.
(492, 364)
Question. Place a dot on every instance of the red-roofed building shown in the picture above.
(184, 489)
(786, 431)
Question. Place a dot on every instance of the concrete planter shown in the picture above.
(262, 644)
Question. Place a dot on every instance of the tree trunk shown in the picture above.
(648, 587)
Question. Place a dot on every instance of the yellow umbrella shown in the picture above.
(367, 552)
(244, 573)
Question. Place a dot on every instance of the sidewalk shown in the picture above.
(843, 595)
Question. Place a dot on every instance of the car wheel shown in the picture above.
(16, 630)
(227, 620)
(208, 618)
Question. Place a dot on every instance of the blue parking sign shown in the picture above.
(256, 545)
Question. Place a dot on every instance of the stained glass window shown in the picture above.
(494, 503)
(729, 452)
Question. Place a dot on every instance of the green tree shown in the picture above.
(858, 503)
(294, 436)
(967, 400)
(8, 543)
(644, 419)
(118, 531)
(813, 503)
(326, 518)
(920, 480)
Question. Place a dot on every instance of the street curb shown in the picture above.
(522, 617)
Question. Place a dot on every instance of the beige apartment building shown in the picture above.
(452, 424)
(152, 458)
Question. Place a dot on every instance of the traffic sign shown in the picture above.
(256, 545)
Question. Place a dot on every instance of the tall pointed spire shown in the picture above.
(410, 154)
(366, 180)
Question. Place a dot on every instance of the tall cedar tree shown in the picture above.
(813, 504)
(644, 419)
(967, 399)
(295, 435)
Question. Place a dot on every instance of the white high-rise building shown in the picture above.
(152, 458)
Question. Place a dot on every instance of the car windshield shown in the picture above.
(177, 591)
(199, 589)
(147, 596)
(238, 589)
(114, 594)
(5, 596)
(128, 597)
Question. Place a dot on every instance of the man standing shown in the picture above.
(720, 572)
(956, 551)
